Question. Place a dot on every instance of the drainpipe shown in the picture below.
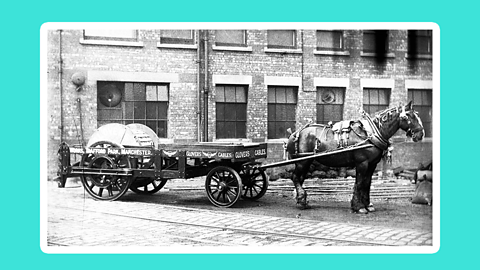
(199, 86)
(60, 75)
(205, 92)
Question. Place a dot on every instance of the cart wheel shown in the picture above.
(223, 186)
(105, 187)
(254, 181)
(148, 186)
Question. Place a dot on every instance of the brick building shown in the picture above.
(207, 85)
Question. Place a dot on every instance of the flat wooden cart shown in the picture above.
(108, 168)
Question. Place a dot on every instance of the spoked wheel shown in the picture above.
(254, 182)
(147, 186)
(223, 186)
(105, 187)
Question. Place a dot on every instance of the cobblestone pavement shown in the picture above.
(75, 220)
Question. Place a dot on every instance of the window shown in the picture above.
(419, 42)
(422, 103)
(231, 38)
(231, 111)
(126, 103)
(282, 103)
(375, 41)
(375, 100)
(330, 104)
(110, 34)
(177, 37)
(281, 39)
(329, 40)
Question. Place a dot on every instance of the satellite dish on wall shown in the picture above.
(328, 96)
(110, 95)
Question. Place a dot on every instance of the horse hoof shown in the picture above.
(303, 206)
(370, 208)
(362, 211)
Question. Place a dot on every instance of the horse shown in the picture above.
(376, 131)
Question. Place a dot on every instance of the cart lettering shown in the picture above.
(260, 152)
(225, 155)
(242, 154)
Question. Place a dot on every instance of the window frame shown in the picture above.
(323, 106)
(286, 107)
(177, 40)
(367, 107)
(332, 48)
(413, 37)
(376, 33)
(426, 102)
(229, 44)
(124, 116)
(288, 47)
(222, 105)
(110, 38)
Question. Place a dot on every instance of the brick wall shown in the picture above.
(179, 67)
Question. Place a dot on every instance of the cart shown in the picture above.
(118, 158)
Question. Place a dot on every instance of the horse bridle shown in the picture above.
(410, 131)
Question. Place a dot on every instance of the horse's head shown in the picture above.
(411, 122)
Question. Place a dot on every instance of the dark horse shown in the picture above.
(375, 131)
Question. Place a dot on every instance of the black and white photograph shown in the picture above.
(240, 138)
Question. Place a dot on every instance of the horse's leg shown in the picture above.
(357, 203)
(298, 178)
(368, 184)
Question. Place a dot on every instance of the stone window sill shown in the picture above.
(293, 51)
(177, 46)
(372, 54)
(111, 43)
(232, 48)
(418, 56)
(325, 52)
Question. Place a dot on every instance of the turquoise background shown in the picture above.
(20, 132)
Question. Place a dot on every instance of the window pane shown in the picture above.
(241, 110)
(241, 130)
(241, 94)
(162, 129)
(291, 96)
(271, 95)
(151, 93)
(373, 96)
(383, 97)
(128, 91)
(220, 129)
(220, 116)
(151, 110)
(139, 92)
(290, 112)
(229, 94)
(162, 110)
(162, 92)
(280, 95)
(128, 111)
(152, 125)
(230, 114)
(281, 38)
(271, 112)
(220, 94)
(281, 112)
(230, 129)
(229, 37)
(139, 110)
(184, 34)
